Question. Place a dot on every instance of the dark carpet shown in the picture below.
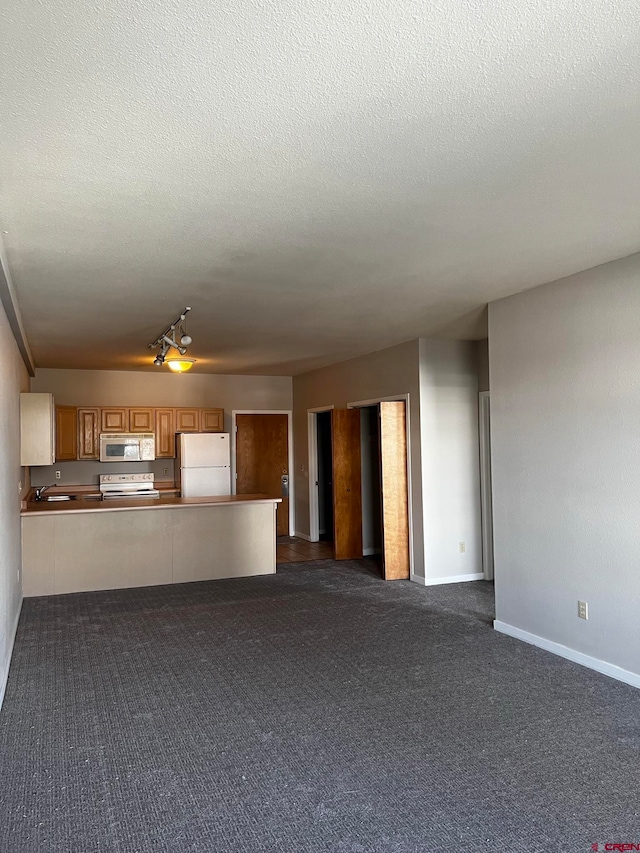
(316, 710)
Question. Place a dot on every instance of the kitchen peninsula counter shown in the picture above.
(87, 544)
(82, 504)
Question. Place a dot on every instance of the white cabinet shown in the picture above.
(37, 429)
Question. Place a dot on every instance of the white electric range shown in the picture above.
(128, 486)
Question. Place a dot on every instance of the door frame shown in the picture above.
(289, 414)
(397, 398)
(312, 441)
(486, 491)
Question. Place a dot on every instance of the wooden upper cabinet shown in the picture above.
(66, 433)
(165, 429)
(88, 433)
(78, 429)
(114, 420)
(141, 420)
(211, 420)
(187, 420)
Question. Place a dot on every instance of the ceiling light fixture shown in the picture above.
(168, 340)
(180, 365)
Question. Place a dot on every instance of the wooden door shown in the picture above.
(114, 420)
(141, 420)
(187, 420)
(347, 484)
(88, 433)
(211, 420)
(66, 433)
(165, 430)
(262, 460)
(394, 491)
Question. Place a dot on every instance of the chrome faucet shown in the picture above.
(41, 490)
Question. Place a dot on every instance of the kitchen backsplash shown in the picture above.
(88, 473)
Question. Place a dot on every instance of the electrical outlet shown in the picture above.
(583, 610)
(165, 472)
(57, 475)
(462, 547)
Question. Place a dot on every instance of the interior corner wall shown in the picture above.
(565, 421)
(450, 460)
(482, 352)
(386, 373)
(13, 379)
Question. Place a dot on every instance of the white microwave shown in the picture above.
(127, 447)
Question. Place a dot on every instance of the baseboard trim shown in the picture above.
(7, 665)
(476, 576)
(304, 536)
(416, 579)
(601, 666)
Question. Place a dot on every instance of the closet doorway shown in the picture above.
(385, 486)
(324, 477)
(358, 483)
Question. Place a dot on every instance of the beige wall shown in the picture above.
(386, 373)
(441, 379)
(450, 459)
(565, 416)
(13, 379)
(163, 388)
(482, 354)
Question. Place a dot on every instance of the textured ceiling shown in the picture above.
(316, 179)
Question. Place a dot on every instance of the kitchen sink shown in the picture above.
(89, 497)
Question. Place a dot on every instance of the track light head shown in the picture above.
(169, 340)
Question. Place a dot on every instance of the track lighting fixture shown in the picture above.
(168, 340)
(171, 343)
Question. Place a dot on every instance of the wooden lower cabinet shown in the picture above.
(66, 433)
(165, 430)
(88, 433)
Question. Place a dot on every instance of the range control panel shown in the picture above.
(126, 478)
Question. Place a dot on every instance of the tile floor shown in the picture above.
(290, 549)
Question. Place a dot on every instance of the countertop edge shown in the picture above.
(137, 505)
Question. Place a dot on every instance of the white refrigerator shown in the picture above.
(203, 464)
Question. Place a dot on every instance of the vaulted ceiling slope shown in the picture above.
(316, 179)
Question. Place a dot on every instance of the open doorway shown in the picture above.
(324, 477)
(294, 549)
(371, 483)
(385, 485)
(334, 481)
(359, 455)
